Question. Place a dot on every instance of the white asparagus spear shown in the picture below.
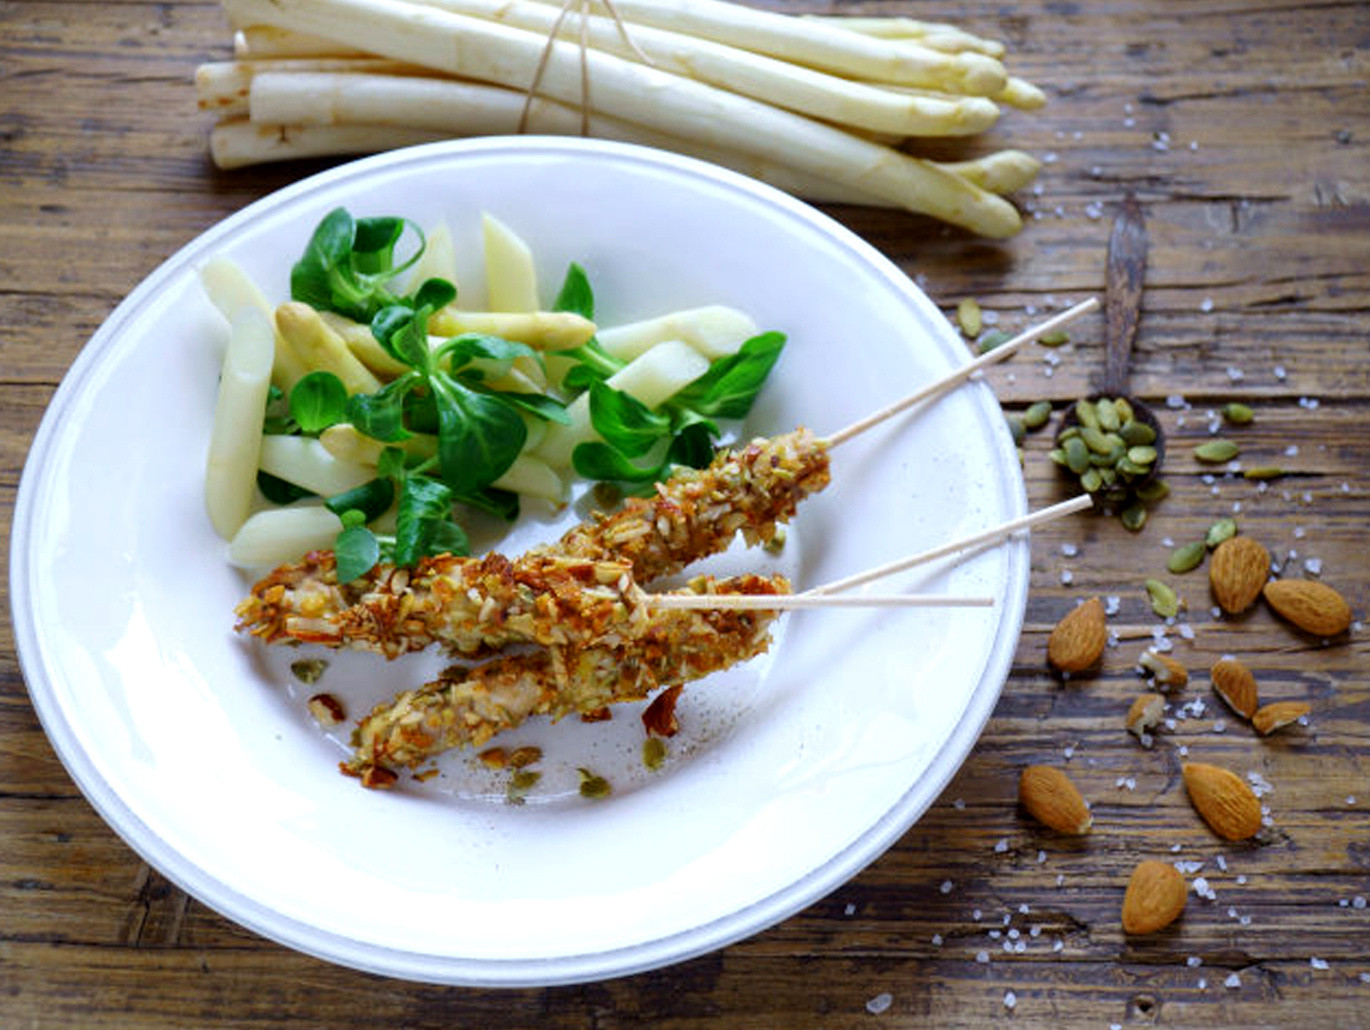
(223, 86)
(458, 44)
(806, 42)
(240, 143)
(937, 35)
(794, 87)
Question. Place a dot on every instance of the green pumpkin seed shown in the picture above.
(969, 318)
(1137, 434)
(1216, 451)
(1187, 558)
(1153, 490)
(1164, 601)
(1092, 481)
(993, 338)
(1054, 338)
(1109, 476)
(1264, 472)
(1223, 529)
(1124, 410)
(1059, 456)
(653, 752)
(1077, 455)
(1130, 468)
(1238, 414)
(1067, 433)
(593, 786)
(1016, 428)
(1108, 415)
(1133, 517)
(1096, 440)
(1037, 414)
(1141, 455)
(1086, 415)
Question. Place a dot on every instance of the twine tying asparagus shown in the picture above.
(583, 40)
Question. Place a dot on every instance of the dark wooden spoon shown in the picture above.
(1124, 274)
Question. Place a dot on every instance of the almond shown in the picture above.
(1312, 606)
(1165, 670)
(1155, 897)
(1237, 571)
(1078, 640)
(1052, 799)
(1277, 715)
(1144, 715)
(1234, 684)
(1223, 800)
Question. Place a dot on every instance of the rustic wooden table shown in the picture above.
(1243, 129)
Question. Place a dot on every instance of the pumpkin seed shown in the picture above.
(1164, 601)
(1133, 517)
(1086, 415)
(653, 752)
(1141, 454)
(1067, 433)
(308, 670)
(1037, 414)
(1137, 434)
(1109, 476)
(1238, 414)
(1059, 456)
(1054, 338)
(969, 318)
(992, 339)
(1130, 468)
(1223, 529)
(1092, 481)
(1264, 472)
(1108, 415)
(1188, 557)
(1153, 490)
(1097, 440)
(1216, 451)
(1077, 455)
(1016, 428)
(593, 785)
(1124, 409)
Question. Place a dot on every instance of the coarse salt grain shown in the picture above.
(982, 956)
(1000, 846)
(1193, 962)
(1318, 963)
(880, 1003)
(937, 940)
(1010, 999)
(850, 909)
(1233, 980)
(946, 887)
(1069, 550)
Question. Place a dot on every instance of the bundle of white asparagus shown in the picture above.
(830, 109)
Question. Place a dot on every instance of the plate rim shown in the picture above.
(299, 935)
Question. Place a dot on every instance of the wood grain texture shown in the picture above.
(1243, 128)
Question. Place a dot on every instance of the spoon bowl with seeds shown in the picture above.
(1111, 441)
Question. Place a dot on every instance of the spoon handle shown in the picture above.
(1123, 293)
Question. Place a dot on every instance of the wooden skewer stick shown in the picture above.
(959, 376)
(777, 602)
(1000, 532)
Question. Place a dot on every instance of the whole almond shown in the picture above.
(1145, 714)
(1237, 571)
(1312, 606)
(1155, 897)
(1077, 642)
(1234, 683)
(1277, 715)
(1052, 799)
(1223, 800)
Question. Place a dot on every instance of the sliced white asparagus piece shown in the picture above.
(236, 435)
(544, 330)
(322, 349)
(795, 87)
(458, 44)
(230, 289)
(651, 378)
(278, 535)
(307, 463)
(511, 280)
(714, 330)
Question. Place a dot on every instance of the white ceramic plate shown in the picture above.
(790, 774)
